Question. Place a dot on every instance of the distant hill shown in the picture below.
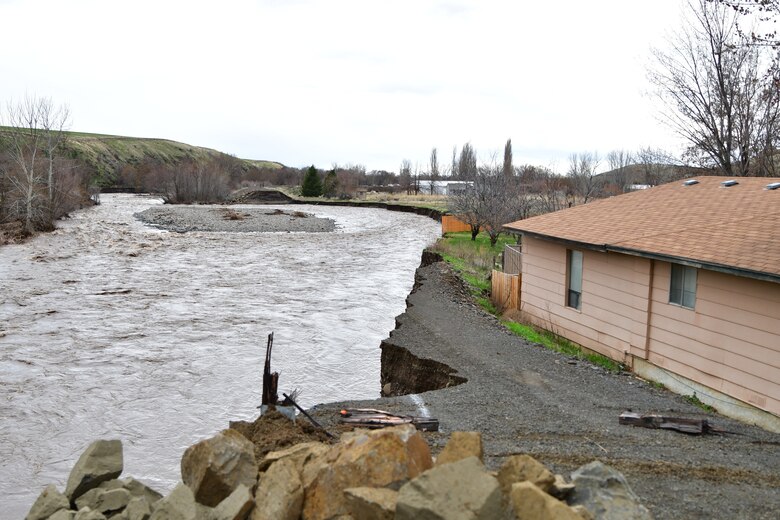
(105, 155)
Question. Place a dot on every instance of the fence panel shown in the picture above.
(513, 260)
(505, 290)
(451, 224)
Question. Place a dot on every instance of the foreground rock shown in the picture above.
(379, 458)
(101, 461)
(606, 494)
(459, 490)
(369, 474)
(215, 467)
(49, 502)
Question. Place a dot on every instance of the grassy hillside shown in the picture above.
(104, 155)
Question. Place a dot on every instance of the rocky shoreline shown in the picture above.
(367, 475)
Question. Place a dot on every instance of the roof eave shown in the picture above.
(713, 266)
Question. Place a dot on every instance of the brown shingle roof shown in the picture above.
(736, 227)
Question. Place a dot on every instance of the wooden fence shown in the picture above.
(505, 290)
(512, 261)
(451, 224)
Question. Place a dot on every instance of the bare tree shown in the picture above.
(54, 122)
(720, 95)
(503, 199)
(434, 173)
(550, 189)
(24, 147)
(582, 174)
(619, 162)
(508, 167)
(766, 12)
(405, 176)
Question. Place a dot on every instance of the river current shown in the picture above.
(113, 329)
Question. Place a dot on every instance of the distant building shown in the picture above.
(444, 187)
(681, 282)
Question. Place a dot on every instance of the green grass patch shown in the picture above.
(694, 400)
(558, 344)
(473, 261)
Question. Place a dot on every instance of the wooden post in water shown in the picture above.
(270, 380)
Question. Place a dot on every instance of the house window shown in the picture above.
(574, 279)
(682, 289)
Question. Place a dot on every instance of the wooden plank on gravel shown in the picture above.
(681, 424)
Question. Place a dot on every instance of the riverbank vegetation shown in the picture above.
(473, 261)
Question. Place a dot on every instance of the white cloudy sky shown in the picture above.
(343, 81)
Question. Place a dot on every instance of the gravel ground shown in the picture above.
(527, 399)
(216, 218)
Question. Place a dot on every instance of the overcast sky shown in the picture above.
(330, 81)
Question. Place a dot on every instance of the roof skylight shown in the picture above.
(729, 183)
(690, 182)
(773, 186)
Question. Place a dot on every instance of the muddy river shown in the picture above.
(113, 329)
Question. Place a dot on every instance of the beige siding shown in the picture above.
(729, 342)
(612, 318)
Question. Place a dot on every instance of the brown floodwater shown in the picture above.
(113, 329)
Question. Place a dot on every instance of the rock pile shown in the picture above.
(368, 474)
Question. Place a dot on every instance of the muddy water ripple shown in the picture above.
(113, 329)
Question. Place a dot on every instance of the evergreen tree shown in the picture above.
(312, 186)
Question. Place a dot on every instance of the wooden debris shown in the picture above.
(373, 419)
(681, 424)
(270, 380)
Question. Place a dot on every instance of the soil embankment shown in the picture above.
(527, 399)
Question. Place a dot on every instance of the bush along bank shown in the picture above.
(368, 474)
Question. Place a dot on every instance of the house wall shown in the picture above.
(613, 315)
(730, 342)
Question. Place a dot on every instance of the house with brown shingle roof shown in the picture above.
(681, 282)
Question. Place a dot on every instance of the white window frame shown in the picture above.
(574, 263)
(683, 280)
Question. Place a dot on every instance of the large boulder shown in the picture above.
(373, 503)
(86, 513)
(461, 445)
(63, 514)
(279, 494)
(100, 462)
(531, 503)
(135, 487)
(215, 467)
(605, 493)
(48, 502)
(137, 509)
(521, 468)
(299, 453)
(379, 458)
(178, 505)
(107, 501)
(460, 490)
(236, 506)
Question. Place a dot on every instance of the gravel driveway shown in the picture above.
(527, 399)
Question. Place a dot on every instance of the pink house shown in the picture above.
(680, 282)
